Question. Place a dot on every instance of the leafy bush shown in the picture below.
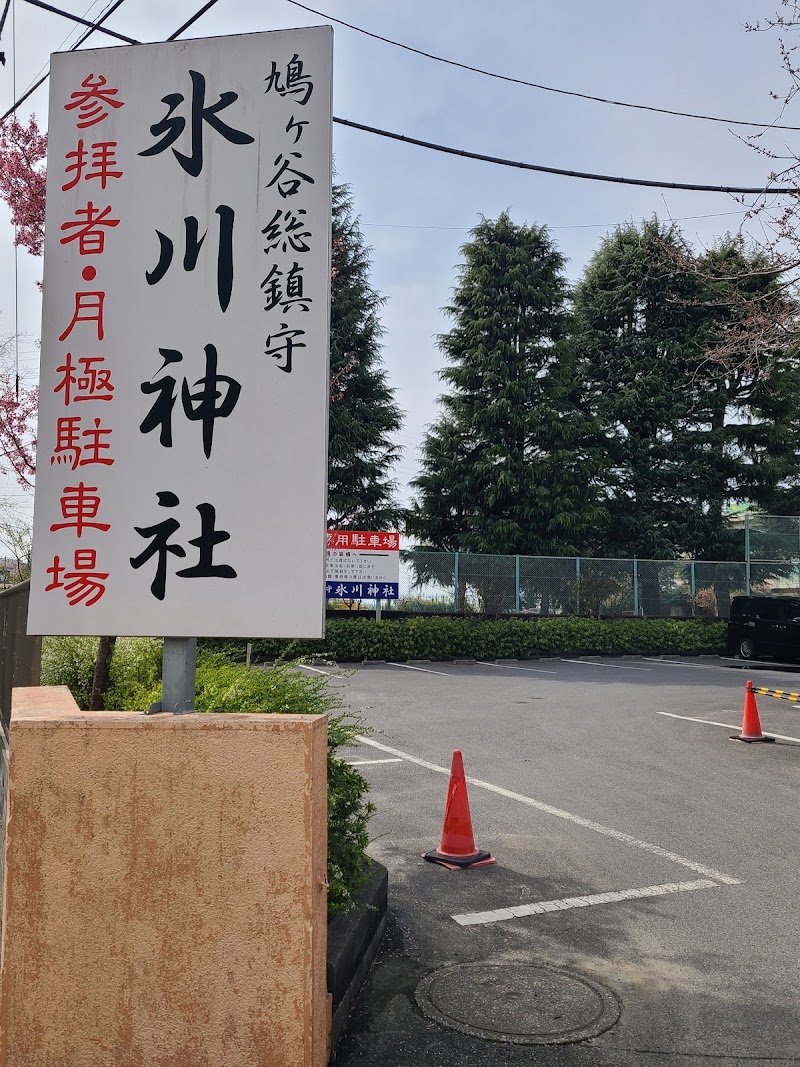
(437, 638)
(70, 661)
(224, 686)
(136, 665)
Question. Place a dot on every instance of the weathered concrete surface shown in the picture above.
(165, 900)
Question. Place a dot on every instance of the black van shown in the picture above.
(764, 626)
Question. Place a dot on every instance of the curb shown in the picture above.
(353, 941)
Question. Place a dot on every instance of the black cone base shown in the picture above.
(435, 856)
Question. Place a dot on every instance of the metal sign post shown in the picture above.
(178, 677)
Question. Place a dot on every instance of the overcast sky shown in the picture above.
(416, 206)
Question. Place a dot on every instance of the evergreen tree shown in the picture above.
(692, 419)
(505, 468)
(745, 408)
(637, 322)
(363, 413)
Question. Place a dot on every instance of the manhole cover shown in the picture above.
(527, 1004)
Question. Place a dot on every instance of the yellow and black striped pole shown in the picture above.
(779, 694)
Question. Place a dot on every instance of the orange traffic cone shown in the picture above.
(457, 847)
(751, 724)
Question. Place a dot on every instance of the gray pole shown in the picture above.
(747, 551)
(178, 676)
(516, 578)
(694, 587)
(577, 585)
(635, 586)
(455, 583)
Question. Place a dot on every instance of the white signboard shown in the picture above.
(182, 446)
(362, 566)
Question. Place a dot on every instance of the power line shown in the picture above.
(537, 85)
(192, 20)
(105, 14)
(562, 172)
(77, 18)
(538, 168)
(98, 26)
(75, 29)
(550, 226)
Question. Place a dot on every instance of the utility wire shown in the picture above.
(539, 168)
(549, 226)
(79, 19)
(192, 20)
(104, 15)
(562, 172)
(537, 85)
(98, 26)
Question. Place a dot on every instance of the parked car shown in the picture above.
(764, 626)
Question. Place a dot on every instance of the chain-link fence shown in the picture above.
(772, 552)
(772, 537)
(463, 582)
(470, 583)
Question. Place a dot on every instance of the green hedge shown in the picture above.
(359, 639)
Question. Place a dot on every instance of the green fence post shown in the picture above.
(455, 582)
(635, 586)
(692, 583)
(516, 579)
(747, 551)
(577, 585)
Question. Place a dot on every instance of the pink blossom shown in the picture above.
(23, 178)
(23, 148)
(18, 429)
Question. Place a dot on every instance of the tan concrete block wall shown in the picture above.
(165, 899)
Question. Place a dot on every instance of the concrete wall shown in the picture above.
(165, 897)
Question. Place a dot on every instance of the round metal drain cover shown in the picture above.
(526, 1004)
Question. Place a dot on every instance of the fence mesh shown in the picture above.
(773, 537)
(470, 583)
(463, 582)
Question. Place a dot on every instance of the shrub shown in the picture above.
(437, 638)
(135, 666)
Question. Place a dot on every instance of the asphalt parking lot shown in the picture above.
(652, 857)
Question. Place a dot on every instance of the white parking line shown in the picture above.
(741, 664)
(511, 667)
(478, 918)
(369, 762)
(424, 670)
(597, 663)
(578, 820)
(677, 663)
(711, 722)
(316, 670)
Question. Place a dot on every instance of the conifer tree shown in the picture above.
(686, 433)
(508, 466)
(363, 412)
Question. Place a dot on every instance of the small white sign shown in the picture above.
(362, 566)
(182, 446)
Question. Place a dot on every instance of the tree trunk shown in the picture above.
(102, 669)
